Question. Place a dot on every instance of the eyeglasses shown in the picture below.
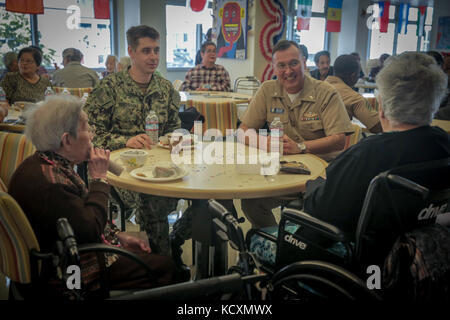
(283, 66)
(26, 61)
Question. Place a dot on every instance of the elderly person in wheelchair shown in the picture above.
(47, 188)
(387, 185)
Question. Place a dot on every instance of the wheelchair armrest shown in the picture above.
(317, 225)
(100, 247)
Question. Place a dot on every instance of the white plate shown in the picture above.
(148, 171)
(165, 146)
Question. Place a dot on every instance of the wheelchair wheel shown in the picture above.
(308, 288)
(318, 281)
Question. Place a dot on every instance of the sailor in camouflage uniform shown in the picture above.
(118, 107)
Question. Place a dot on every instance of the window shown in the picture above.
(316, 38)
(14, 31)
(396, 43)
(58, 30)
(181, 37)
(91, 36)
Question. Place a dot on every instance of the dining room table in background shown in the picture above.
(219, 108)
(221, 181)
(12, 121)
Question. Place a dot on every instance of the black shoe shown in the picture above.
(183, 273)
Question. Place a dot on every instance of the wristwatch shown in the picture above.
(302, 147)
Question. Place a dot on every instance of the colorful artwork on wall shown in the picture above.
(231, 29)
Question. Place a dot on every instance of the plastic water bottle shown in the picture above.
(152, 126)
(277, 131)
(2, 95)
(49, 92)
(65, 91)
(84, 98)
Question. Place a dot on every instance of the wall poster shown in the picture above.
(231, 29)
(443, 34)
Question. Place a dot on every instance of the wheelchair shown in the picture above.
(310, 260)
(399, 201)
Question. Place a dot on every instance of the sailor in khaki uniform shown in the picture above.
(314, 117)
(346, 73)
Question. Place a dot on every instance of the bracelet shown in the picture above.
(98, 180)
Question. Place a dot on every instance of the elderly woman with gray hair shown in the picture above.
(47, 188)
(411, 88)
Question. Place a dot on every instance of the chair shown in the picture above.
(74, 91)
(20, 255)
(177, 84)
(14, 148)
(398, 201)
(247, 85)
(354, 138)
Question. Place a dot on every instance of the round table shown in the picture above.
(216, 181)
(219, 181)
(218, 108)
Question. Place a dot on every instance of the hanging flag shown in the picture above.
(403, 14)
(303, 14)
(25, 6)
(101, 9)
(197, 5)
(384, 16)
(334, 15)
(421, 16)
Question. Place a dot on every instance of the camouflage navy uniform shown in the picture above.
(118, 107)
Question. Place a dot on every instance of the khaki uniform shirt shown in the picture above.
(355, 104)
(118, 108)
(316, 113)
(74, 75)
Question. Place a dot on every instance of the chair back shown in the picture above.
(14, 148)
(247, 85)
(17, 239)
(74, 91)
(354, 138)
(177, 84)
(398, 201)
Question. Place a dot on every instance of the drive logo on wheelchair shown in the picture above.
(431, 212)
(290, 239)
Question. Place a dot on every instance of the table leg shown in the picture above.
(211, 254)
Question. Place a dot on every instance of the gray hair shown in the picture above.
(111, 56)
(411, 87)
(125, 62)
(72, 54)
(46, 125)
(9, 58)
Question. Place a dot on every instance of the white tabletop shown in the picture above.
(219, 181)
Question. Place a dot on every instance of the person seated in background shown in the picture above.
(111, 65)
(41, 70)
(405, 115)
(322, 61)
(63, 138)
(123, 63)
(74, 75)
(358, 58)
(444, 109)
(4, 106)
(374, 71)
(26, 84)
(208, 38)
(208, 75)
(10, 63)
(346, 73)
